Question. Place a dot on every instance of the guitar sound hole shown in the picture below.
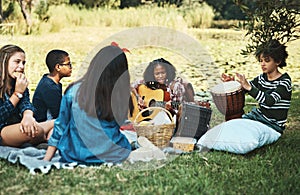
(147, 113)
(152, 103)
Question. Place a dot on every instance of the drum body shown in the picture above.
(229, 98)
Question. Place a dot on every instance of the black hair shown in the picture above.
(54, 57)
(149, 72)
(273, 49)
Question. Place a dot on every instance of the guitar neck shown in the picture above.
(175, 105)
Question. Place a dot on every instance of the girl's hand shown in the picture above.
(141, 103)
(50, 153)
(168, 105)
(21, 83)
(28, 124)
(225, 77)
(243, 81)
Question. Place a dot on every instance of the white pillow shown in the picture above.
(238, 136)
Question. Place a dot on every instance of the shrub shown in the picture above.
(198, 15)
(271, 19)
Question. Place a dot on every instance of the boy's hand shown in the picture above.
(243, 81)
(225, 77)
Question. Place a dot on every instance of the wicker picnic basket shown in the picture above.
(159, 135)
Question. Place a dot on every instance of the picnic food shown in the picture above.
(185, 144)
(145, 123)
(17, 74)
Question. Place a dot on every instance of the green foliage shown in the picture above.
(42, 10)
(57, 2)
(197, 15)
(227, 10)
(271, 19)
(93, 3)
(8, 11)
(129, 3)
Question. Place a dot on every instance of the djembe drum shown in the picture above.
(229, 98)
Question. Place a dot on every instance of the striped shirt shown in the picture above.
(274, 98)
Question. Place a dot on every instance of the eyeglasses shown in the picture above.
(68, 64)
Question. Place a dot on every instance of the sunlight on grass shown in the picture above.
(273, 169)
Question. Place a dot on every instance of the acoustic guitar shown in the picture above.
(155, 97)
(152, 97)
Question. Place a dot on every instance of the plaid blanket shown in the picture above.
(32, 159)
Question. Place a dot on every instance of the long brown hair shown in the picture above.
(105, 88)
(5, 54)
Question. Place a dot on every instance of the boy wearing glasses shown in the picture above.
(48, 93)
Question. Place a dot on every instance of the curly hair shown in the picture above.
(273, 49)
(149, 72)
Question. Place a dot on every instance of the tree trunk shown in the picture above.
(1, 12)
(26, 13)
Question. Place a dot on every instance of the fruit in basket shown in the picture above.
(145, 123)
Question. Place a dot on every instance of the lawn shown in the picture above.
(273, 169)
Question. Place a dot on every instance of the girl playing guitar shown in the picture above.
(160, 77)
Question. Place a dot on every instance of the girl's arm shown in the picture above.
(6, 108)
(140, 100)
(7, 105)
(60, 125)
(50, 153)
(274, 95)
(28, 124)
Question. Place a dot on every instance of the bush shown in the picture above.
(271, 19)
(198, 15)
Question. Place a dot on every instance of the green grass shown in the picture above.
(272, 169)
(61, 16)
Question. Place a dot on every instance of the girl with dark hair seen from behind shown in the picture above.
(17, 124)
(91, 112)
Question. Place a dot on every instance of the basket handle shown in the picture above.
(153, 108)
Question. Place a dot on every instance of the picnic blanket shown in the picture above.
(32, 159)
